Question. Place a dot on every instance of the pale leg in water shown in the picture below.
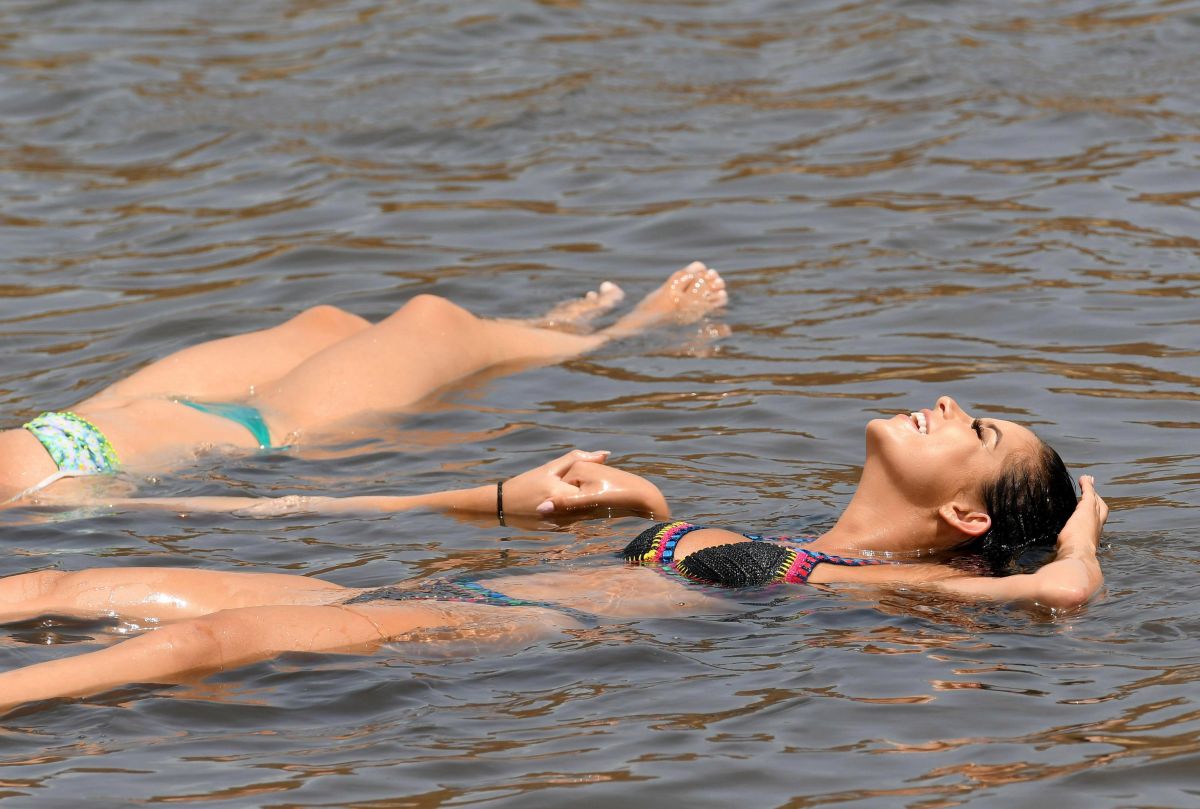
(431, 342)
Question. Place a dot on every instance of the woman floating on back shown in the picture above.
(310, 378)
(936, 484)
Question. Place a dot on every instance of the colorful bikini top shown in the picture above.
(737, 564)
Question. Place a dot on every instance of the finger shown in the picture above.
(560, 465)
(584, 500)
(562, 499)
(556, 505)
(585, 472)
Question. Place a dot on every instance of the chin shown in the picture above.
(888, 450)
(878, 433)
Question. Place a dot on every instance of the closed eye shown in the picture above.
(977, 426)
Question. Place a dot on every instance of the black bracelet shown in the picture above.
(500, 501)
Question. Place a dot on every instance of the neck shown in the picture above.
(880, 524)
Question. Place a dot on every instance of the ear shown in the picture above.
(964, 519)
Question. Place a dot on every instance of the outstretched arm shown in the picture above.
(573, 483)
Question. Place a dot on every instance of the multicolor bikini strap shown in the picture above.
(797, 568)
(733, 564)
(657, 543)
(795, 539)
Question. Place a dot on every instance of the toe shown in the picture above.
(612, 292)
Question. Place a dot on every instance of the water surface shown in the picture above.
(992, 200)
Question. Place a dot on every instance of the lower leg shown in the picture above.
(156, 594)
(230, 368)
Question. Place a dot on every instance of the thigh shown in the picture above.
(618, 591)
(429, 343)
(232, 368)
(454, 623)
(257, 633)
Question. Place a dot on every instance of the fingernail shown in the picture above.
(546, 507)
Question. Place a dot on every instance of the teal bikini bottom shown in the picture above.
(245, 415)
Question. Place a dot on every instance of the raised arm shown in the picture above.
(573, 483)
(1070, 580)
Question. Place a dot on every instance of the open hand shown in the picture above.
(580, 481)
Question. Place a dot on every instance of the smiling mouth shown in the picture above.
(920, 423)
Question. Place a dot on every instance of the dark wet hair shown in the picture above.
(1029, 504)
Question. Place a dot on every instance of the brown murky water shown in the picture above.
(995, 200)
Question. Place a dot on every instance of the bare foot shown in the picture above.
(688, 295)
(577, 314)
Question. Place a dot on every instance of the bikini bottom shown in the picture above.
(76, 446)
(465, 591)
(245, 415)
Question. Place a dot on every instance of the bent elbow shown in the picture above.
(657, 506)
(1066, 597)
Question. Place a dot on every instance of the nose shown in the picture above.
(950, 409)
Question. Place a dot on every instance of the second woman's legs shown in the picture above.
(325, 366)
(430, 342)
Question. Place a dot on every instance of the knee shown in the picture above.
(193, 645)
(329, 322)
(433, 311)
(222, 638)
(42, 582)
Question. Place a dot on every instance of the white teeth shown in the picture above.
(922, 424)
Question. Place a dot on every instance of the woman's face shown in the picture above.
(942, 454)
